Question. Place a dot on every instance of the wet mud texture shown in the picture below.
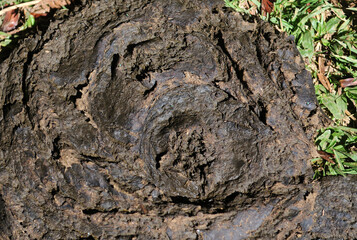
(163, 120)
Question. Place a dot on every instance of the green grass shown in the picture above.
(326, 39)
(339, 143)
(28, 21)
(28, 10)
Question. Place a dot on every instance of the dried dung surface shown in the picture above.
(163, 120)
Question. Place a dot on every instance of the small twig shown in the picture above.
(348, 82)
(326, 156)
(281, 21)
(350, 115)
(321, 74)
(19, 6)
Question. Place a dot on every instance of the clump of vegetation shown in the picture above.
(326, 39)
(19, 15)
(337, 148)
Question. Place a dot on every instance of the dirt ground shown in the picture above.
(163, 120)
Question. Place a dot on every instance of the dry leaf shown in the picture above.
(10, 21)
(348, 82)
(267, 6)
(44, 6)
(326, 156)
(321, 75)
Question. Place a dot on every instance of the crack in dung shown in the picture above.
(114, 65)
(239, 73)
(261, 112)
(89, 158)
(24, 87)
(81, 102)
(91, 211)
(78, 95)
(225, 91)
(56, 151)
